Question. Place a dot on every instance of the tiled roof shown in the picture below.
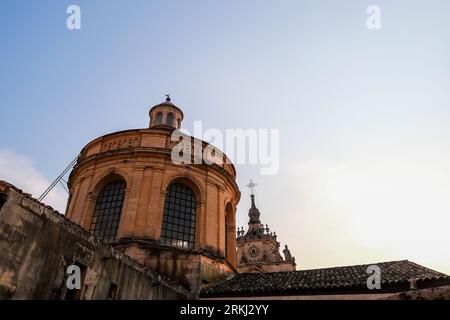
(394, 275)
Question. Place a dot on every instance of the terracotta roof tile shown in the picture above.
(348, 278)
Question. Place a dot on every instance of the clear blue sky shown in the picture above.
(363, 115)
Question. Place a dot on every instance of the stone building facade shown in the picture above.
(141, 224)
(37, 245)
(177, 219)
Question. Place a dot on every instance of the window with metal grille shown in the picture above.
(178, 225)
(108, 209)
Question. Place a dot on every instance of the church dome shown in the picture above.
(127, 189)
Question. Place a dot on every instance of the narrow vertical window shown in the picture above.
(159, 118)
(108, 208)
(112, 291)
(230, 244)
(169, 120)
(178, 225)
(226, 236)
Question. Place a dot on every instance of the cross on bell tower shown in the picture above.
(253, 213)
(251, 186)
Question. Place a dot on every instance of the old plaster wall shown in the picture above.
(37, 244)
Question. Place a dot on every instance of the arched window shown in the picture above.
(108, 209)
(178, 123)
(159, 118)
(169, 120)
(230, 231)
(178, 225)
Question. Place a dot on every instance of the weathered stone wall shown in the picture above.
(439, 293)
(37, 244)
(190, 268)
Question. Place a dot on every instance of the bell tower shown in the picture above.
(258, 249)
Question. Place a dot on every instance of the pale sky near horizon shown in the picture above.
(363, 115)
